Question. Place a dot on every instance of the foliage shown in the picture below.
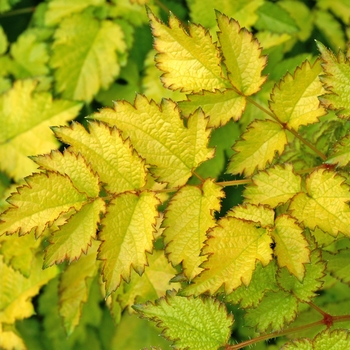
(140, 203)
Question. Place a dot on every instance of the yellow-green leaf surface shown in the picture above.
(242, 56)
(274, 186)
(294, 100)
(160, 137)
(3, 41)
(127, 235)
(25, 117)
(190, 323)
(291, 247)
(74, 287)
(107, 153)
(10, 338)
(338, 264)
(60, 9)
(39, 203)
(341, 8)
(84, 55)
(189, 215)
(16, 290)
(256, 213)
(75, 237)
(190, 61)
(326, 197)
(75, 166)
(235, 246)
(340, 153)
(219, 106)
(258, 146)
(336, 78)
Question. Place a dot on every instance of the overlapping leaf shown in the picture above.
(84, 55)
(190, 322)
(336, 78)
(108, 154)
(295, 99)
(127, 235)
(258, 146)
(340, 153)
(326, 197)
(39, 203)
(274, 186)
(189, 215)
(338, 264)
(190, 61)
(235, 246)
(159, 136)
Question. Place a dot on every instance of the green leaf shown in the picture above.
(107, 153)
(84, 56)
(337, 75)
(341, 8)
(234, 245)
(190, 322)
(291, 246)
(340, 152)
(295, 99)
(39, 203)
(159, 136)
(338, 264)
(190, 61)
(75, 237)
(189, 215)
(220, 106)
(253, 151)
(242, 54)
(326, 197)
(274, 186)
(126, 236)
(25, 117)
(3, 41)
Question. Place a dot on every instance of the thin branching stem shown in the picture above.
(234, 182)
(18, 12)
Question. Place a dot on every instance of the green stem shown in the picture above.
(234, 182)
(18, 12)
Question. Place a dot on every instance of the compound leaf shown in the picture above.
(273, 186)
(159, 136)
(189, 215)
(190, 61)
(39, 203)
(254, 151)
(326, 197)
(242, 54)
(107, 153)
(295, 99)
(190, 322)
(126, 236)
(234, 245)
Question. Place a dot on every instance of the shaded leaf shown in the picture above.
(340, 152)
(338, 264)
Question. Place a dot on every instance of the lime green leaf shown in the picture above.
(234, 245)
(107, 153)
(242, 56)
(75, 237)
(269, 40)
(341, 8)
(254, 151)
(31, 56)
(60, 9)
(127, 235)
(275, 19)
(295, 99)
(275, 310)
(299, 344)
(189, 215)
(340, 152)
(263, 280)
(3, 41)
(6, 5)
(338, 264)
(337, 75)
(75, 166)
(74, 287)
(256, 213)
(84, 55)
(219, 106)
(291, 246)
(190, 322)
(159, 136)
(39, 203)
(314, 272)
(326, 197)
(274, 186)
(25, 119)
(190, 61)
